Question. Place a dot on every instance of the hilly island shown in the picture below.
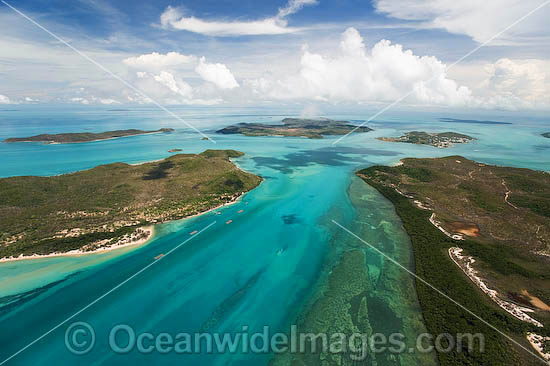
(75, 137)
(481, 235)
(113, 204)
(298, 127)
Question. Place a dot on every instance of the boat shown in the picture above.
(229, 221)
(159, 256)
(193, 232)
(240, 211)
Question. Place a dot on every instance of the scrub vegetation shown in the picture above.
(502, 215)
(298, 127)
(66, 138)
(41, 215)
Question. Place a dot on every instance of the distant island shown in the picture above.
(474, 121)
(476, 225)
(546, 134)
(114, 204)
(439, 140)
(297, 127)
(68, 138)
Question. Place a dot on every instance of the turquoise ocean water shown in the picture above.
(262, 269)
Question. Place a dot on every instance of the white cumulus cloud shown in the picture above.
(157, 60)
(205, 83)
(80, 100)
(177, 86)
(174, 18)
(385, 73)
(516, 84)
(216, 73)
(480, 20)
(4, 99)
(108, 101)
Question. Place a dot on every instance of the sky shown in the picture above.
(492, 54)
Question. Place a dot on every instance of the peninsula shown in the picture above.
(440, 140)
(546, 134)
(474, 225)
(114, 203)
(67, 138)
(298, 127)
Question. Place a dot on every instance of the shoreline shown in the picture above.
(79, 252)
(398, 163)
(433, 266)
(236, 200)
(148, 228)
(146, 162)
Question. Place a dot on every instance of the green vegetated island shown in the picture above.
(480, 234)
(298, 127)
(546, 134)
(113, 204)
(67, 138)
(440, 140)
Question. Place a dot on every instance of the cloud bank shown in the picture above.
(350, 73)
(516, 84)
(174, 18)
(480, 20)
(384, 73)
